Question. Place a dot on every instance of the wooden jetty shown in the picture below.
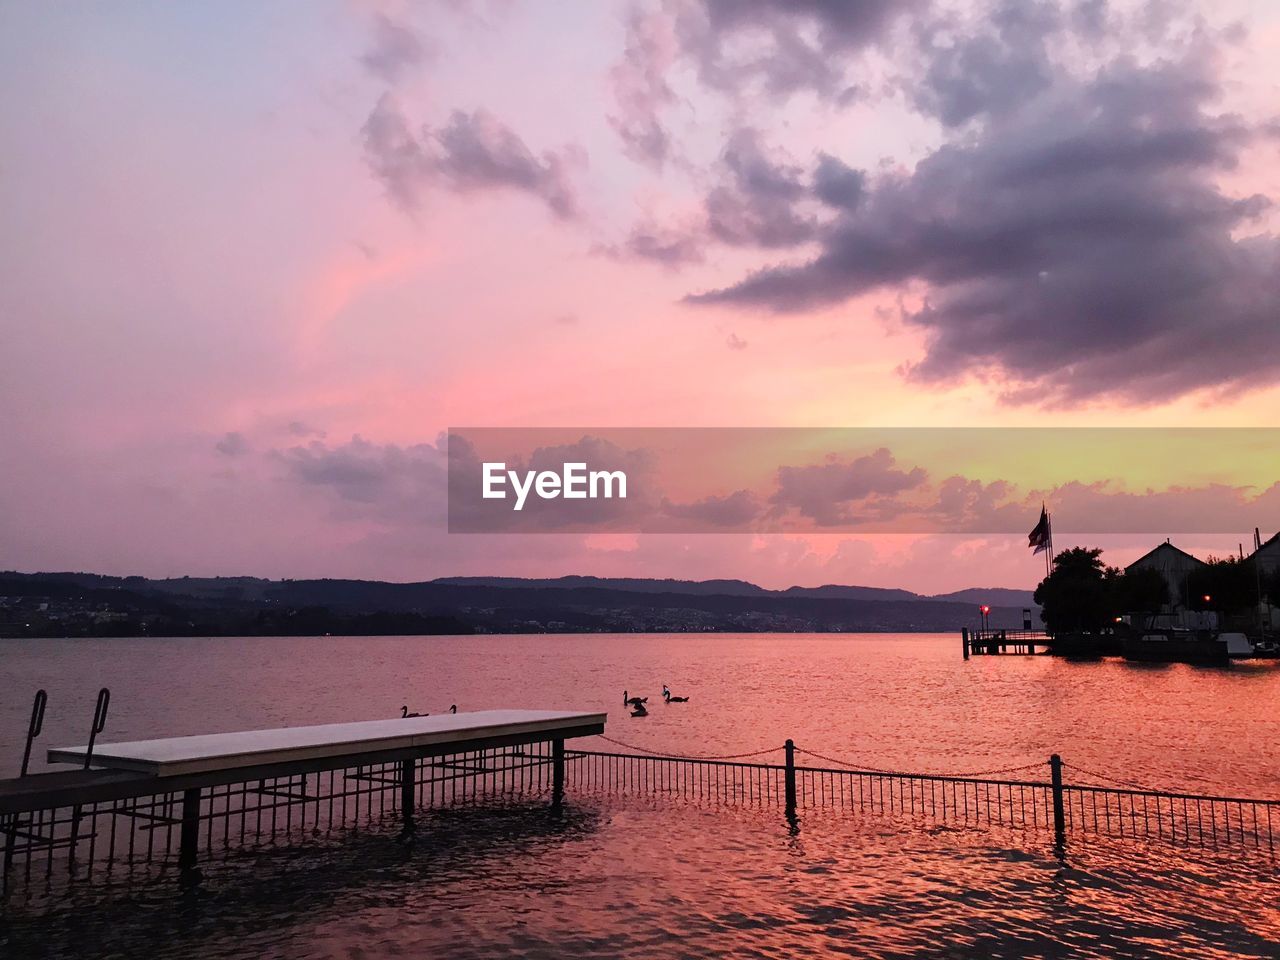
(987, 642)
(179, 781)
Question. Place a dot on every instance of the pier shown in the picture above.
(181, 804)
(987, 642)
(135, 802)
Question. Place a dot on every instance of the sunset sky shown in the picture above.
(255, 259)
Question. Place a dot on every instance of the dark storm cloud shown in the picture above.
(807, 41)
(998, 63)
(760, 198)
(473, 151)
(780, 46)
(757, 201)
(836, 184)
(841, 23)
(1075, 246)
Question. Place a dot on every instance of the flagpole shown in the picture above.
(1048, 557)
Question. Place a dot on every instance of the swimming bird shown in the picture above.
(666, 695)
(639, 711)
(633, 701)
(404, 712)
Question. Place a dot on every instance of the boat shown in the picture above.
(1238, 646)
(1266, 648)
(1175, 645)
(1076, 645)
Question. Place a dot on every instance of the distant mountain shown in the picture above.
(78, 604)
(728, 588)
(994, 596)
(834, 591)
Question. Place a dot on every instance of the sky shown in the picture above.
(257, 259)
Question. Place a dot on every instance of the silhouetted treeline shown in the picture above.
(68, 604)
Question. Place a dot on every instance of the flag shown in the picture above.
(1039, 537)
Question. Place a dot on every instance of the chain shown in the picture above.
(676, 756)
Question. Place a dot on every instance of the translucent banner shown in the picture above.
(868, 480)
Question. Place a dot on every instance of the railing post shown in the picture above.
(964, 641)
(10, 828)
(1059, 812)
(557, 773)
(791, 779)
(34, 727)
(408, 794)
(190, 840)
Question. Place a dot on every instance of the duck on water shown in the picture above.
(405, 713)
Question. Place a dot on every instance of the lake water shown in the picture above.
(630, 880)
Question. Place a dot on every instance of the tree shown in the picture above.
(1075, 595)
(1139, 591)
(1230, 584)
(1081, 594)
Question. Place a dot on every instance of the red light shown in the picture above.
(985, 609)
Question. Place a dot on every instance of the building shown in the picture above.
(1174, 565)
(1267, 556)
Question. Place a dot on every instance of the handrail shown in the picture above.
(34, 727)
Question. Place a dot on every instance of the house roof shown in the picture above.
(1269, 543)
(1165, 546)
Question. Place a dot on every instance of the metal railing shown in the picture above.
(151, 834)
(1004, 797)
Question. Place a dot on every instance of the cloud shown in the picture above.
(784, 45)
(671, 246)
(735, 342)
(756, 203)
(842, 493)
(1077, 245)
(640, 88)
(397, 488)
(232, 445)
(837, 184)
(297, 428)
(760, 198)
(387, 483)
(479, 152)
(737, 509)
(471, 152)
(395, 156)
(736, 47)
(987, 66)
(394, 50)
